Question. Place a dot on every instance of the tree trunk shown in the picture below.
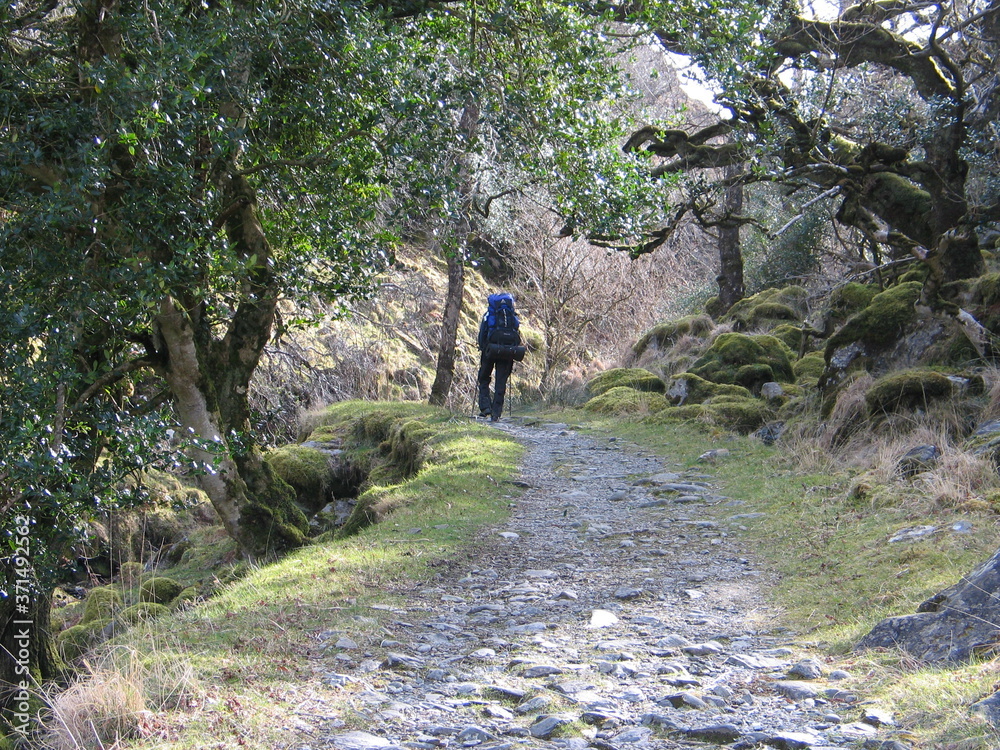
(730, 278)
(28, 652)
(445, 372)
(210, 378)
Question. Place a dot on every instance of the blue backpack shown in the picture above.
(503, 336)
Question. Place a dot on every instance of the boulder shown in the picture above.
(665, 334)
(750, 361)
(626, 400)
(688, 388)
(627, 377)
(906, 390)
(951, 626)
(160, 590)
(918, 459)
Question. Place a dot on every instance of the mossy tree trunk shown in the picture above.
(27, 650)
(209, 379)
(730, 278)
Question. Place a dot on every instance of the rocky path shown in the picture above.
(613, 611)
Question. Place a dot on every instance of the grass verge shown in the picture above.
(838, 574)
(257, 655)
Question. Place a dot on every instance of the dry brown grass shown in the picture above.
(116, 699)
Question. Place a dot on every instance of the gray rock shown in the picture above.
(808, 669)
(401, 661)
(658, 720)
(530, 627)
(950, 625)
(770, 433)
(793, 740)
(633, 735)
(989, 709)
(683, 700)
(626, 593)
(475, 734)
(359, 741)
(542, 670)
(912, 533)
(717, 734)
(532, 705)
(796, 691)
(878, 717)
(709, 648)
(547, 726)
(497, 712)
(839, 674)
(918, 459)
(771, 391)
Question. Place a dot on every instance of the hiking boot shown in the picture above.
(494, 419)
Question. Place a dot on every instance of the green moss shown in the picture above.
(627, 377)
(731, 351)
(686, 413)
(909, 389)
(752, 377)
(625, 400)
(129, 573)
(809, 368)
(141, 612)
(738, 415)
(713, 307)
(882, 321)
(306, 470)
(698, 389)
(667, 333)
(74, 642)
(986, 300)
(850, 298)
(790, 335)
(102, 603)
(768, 306)
(273, 518)
(187, 596)
(159, 590)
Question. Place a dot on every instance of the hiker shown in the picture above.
(500, 346)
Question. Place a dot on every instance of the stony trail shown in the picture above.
(612, 611)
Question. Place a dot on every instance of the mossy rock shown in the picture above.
(882, 321)
(688, 388)
(664, 334)
(159, 590)
(909, 389)
(790, 335)
(102, 603)
(766, 308)
(809, 368)
(731, 351)
(713, 307)
(624, 400)
(141, 612)
(742, 415)
(74, 642)
(686, 413)
(752, 377)
(187, 597)
(307, 470)
(625, 377)
(850, 298)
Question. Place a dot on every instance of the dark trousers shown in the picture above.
(487, 404)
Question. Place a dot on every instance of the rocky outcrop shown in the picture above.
(951, 626)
